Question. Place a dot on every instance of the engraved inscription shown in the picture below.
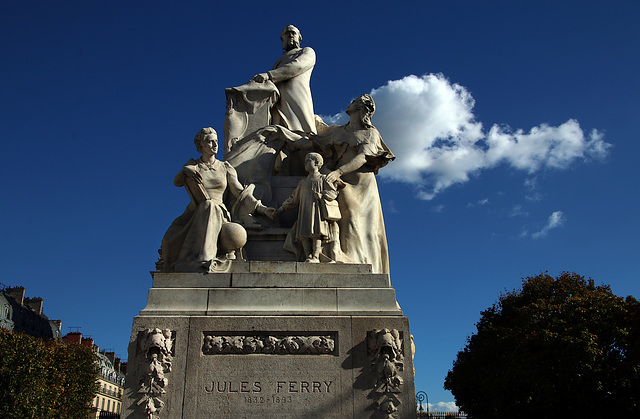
(273, 399)
(268, 344)
(267, 394)
(233, 387)
(284, 387)
(304, 386)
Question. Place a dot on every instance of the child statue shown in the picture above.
(318, 213)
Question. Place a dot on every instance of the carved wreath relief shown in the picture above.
(156, 346)
(267, 344)
(386, 361)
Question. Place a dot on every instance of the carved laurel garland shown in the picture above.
(214, 344)
(155, 349)
(386, 362)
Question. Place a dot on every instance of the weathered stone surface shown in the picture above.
(267, 245)
(176, 301)
(309, 280)
(338, 268)
(338, 384)
(137, 368)
(191, 280)
(272, 267)
(284, 288)
(272, 301)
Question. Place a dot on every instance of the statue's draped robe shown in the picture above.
(192, 239)
(362, 233)
(253, 157)
(309, 223)
(292, 75)
(248, 109)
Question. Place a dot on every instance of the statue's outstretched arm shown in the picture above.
(304, 62)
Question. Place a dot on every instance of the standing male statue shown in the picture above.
(281, 96)
(291, 75)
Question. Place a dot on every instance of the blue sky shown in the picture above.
(515, 126)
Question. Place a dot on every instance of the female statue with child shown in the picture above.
(353, 155)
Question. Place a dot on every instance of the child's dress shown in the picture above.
(310, 223)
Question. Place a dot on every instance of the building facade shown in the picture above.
(110, 384)
(24, 315)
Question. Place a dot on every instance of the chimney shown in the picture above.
(111, 356)
(35, 304)
(87, 343)
(58, 324)
(73, 338)
(17, 293)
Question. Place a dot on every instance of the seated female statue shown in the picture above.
(191, 243)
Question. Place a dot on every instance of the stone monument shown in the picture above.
(272, 297)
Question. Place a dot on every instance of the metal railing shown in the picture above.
(421, 396)
(441, 415)
(112, 393)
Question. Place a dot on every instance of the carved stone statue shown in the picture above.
(281, 96)
(291, 75)
(258, 156)
(318, 213)
(204, 236)
(353, 154)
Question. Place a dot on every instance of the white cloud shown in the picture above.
(443, 407)
(531, 188)
(556, 219)
(391, 207)
(531, 183)
(337, 119)
(428, 122)
(480, 203)
(517, 211)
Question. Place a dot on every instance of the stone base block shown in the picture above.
(282, 288)
(270, 367)
(267, 339)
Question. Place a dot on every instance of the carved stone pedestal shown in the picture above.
(271, 340)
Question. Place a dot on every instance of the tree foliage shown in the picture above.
(45, 379)
(558, 347)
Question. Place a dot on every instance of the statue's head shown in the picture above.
(366, 106)
(291, 37)
(315, 159)
(206, 135)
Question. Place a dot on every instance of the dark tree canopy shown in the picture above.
(558, 347)
(45, 379)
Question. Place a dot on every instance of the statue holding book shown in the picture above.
(203, 237)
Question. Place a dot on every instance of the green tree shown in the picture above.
(45, 379)
(558, 347)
